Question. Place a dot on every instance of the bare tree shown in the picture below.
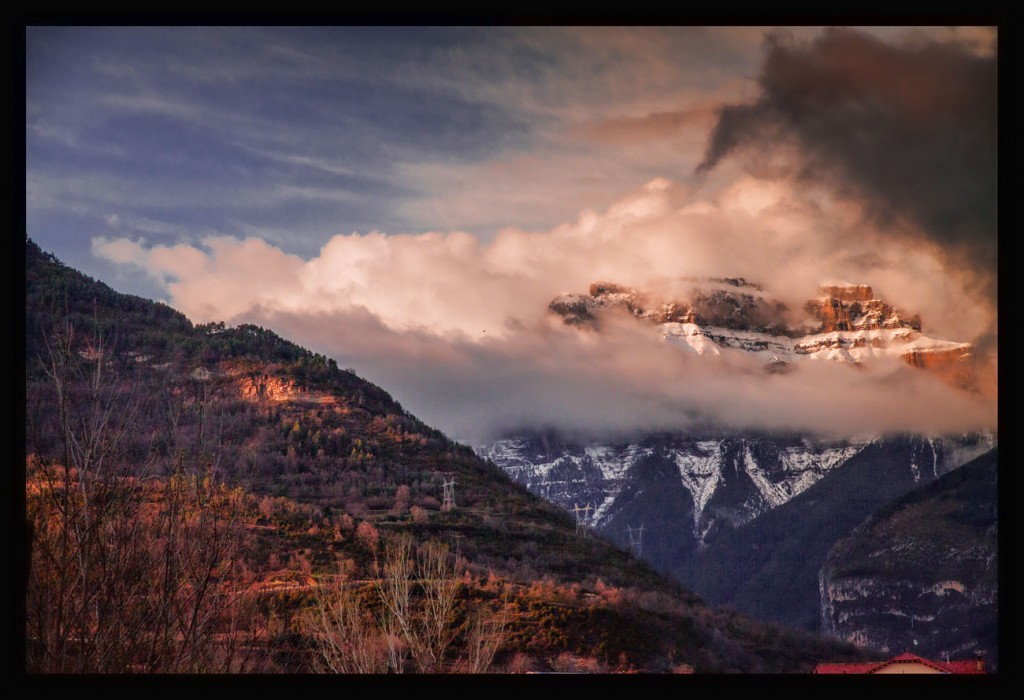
(411, 621)
(78, 508)
(484, 637)
(348, 637)
(435, 628)
(394, 586)
(126, 573)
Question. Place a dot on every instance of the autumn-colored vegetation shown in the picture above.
(205, 499)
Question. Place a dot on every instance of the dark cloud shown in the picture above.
(907, 129)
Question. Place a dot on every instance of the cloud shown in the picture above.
(906, 128)
(653, 126)
(120, 250)
(514, 160)
(458, 330)
(607, 109)
(624, 382)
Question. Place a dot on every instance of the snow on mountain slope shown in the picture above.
(844, 346)
(595, 473)
(729, 479)
(735, 513)
(801, 467)
(720, 316)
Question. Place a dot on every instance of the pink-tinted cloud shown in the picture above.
(650, 127)
(458, 330)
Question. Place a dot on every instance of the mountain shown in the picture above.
(704, 482)
(744, 518)
(733, 516)
(233, 462)
(713, 316)
(783, 550)
(921, 573)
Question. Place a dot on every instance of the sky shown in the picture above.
(408, 200)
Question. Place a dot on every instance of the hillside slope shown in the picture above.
(784, 549)
(333, 465)
(896, 583)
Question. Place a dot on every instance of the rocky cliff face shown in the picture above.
(954, 364)
(921, 573)
(732, 303)
(256, 387)
(848, 292)
(783, 550)
(847, 324)
(847, 309)
(719, 479)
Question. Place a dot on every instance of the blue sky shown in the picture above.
(408, 199)
(297, 134)
(293, 134)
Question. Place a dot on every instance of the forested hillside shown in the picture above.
(205, 498)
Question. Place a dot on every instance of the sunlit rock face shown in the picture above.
(721, 315)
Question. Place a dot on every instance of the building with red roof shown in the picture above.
(906, 663)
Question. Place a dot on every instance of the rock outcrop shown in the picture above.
(846, 324)
(848, 292)
(732, 303)
(854, 308)
(265, 387)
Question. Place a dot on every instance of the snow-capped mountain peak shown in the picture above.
(726, 315)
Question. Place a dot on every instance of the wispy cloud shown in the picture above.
(414, 122)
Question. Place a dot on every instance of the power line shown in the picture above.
(636, 539)
(581, 520)
(449, 495)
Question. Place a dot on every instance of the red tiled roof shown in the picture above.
(846, 668)
(963, 666)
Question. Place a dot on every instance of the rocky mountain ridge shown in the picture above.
(725, 315)
(733, 515)
(712, 471)
(724, 478)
